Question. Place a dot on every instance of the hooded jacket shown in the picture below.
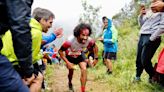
(110, 38)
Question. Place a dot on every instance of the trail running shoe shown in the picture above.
(109, 72)
(71, 87)
(136, 79)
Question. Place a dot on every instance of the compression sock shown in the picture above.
(82, 88)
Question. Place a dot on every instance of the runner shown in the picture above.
(73, 48)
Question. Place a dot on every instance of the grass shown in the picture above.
(124, 68)
(123, 74)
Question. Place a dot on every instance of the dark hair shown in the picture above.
(104, 17)
(81, 27)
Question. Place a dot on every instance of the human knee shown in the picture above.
(84, 69)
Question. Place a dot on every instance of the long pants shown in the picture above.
(145, 52)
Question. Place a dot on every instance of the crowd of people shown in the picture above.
(24, 56)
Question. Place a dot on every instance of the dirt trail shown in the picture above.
(59, 81)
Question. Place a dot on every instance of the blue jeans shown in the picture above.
(10, 80)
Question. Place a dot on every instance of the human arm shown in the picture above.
(156, 34)
(159, 5)
(107, 37)
(141, 19)
(36, 44)
(114, 36)
(142, 16)
(48, 38)
(160, 29)
(51, 37)
(95, 50)
(19, 17)
(61, 51)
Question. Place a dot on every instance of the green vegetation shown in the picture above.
(124, 68)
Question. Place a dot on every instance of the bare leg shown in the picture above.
(70, 75)
(108, 63)
(83, 77)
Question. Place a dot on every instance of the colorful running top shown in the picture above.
(73, 48)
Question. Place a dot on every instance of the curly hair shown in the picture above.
(81, 27)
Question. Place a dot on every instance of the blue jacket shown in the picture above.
(110, 38)
(47, 39)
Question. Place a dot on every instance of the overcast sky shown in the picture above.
(68, 9)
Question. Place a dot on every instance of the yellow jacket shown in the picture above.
(36, 32)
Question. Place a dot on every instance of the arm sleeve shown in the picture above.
(159, 31)
(156, 34)
(19, 12)
(36, 44)
(114, 34)
(108, 41)
(65, 45)
(141, 20)
(47, 39)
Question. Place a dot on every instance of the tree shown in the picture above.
(90, 16)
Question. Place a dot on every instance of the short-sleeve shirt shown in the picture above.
(74, 49)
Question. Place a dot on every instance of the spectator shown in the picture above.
(14, 15)
(146, 45)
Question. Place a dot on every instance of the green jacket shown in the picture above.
(36, 32)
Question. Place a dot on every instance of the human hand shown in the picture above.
(70, 65)
(58, 32)
(36, 84)
(28, 81)
(94, 62)
(38, 79)
(158, 5)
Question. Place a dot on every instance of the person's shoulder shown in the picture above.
(91, 40)
(162, 14)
